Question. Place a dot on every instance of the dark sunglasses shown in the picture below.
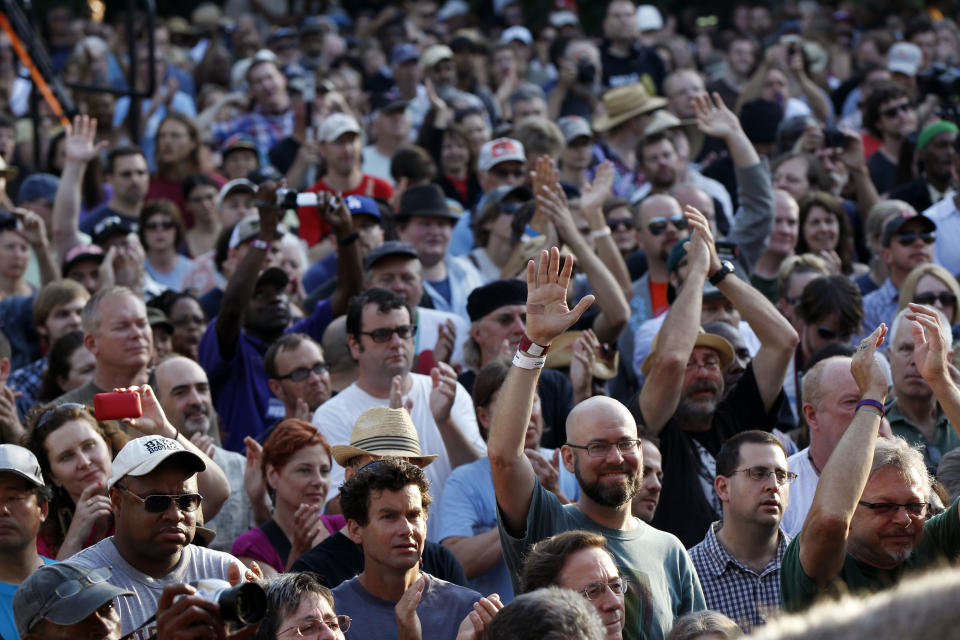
(891, 112)
(946, 298)
(166, 225)
(908, 238)
(383, 335)
(159, 502)
(830, 334)
(302, 373)
(506, 173)
(626, 223)
(658, 225)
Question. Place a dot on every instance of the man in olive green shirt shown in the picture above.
(915, 414)
(866, 525)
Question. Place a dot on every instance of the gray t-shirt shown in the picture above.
(441, 610)
(196, 563)
(664, 582)
(236, 515)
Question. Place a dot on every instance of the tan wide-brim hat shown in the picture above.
(561, 354)
(622, 103)
(704, 339)
(383, 433)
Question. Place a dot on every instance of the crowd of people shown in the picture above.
(475, 320)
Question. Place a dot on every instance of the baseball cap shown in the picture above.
(39, 596)
(894, 224)
(38, 185)
(403, 52)
(452, 9)
(500, 150)
(517, 32)
(435, 53)
(905, 58)
(648, 18)
(21, 461)
(238, 184)
(387, 103)
(111, 225)
(573, 127)
(237, 142)
(381, 432)
(80, 253)
(389, 248)
(505, 191)
(362, 205)
(157, 318)
(142, 455)
(273, 275)
(247, 229)
(337, 124)
(560, 19)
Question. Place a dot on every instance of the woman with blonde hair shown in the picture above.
(932, 285)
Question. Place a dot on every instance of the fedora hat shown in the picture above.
(704, 339)
(625, 102)
(381, 432)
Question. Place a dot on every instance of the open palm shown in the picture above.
(547, 312)
(713, 116)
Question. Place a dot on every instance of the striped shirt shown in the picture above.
(734, 589)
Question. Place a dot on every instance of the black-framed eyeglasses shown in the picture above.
(49, 413)
(596, 590)
(826, 333)
(600, 449)
(166, 225)
(160, 502)
(760, 474)
(311, 628)
(944, 297)
(908, 238)
(659, 224)
(915, 509)
(891, 112)
(404, 332)
(625, 223)
(302, 373)
(73, 587)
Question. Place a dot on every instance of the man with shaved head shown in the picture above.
(603, 452)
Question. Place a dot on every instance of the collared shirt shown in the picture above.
(734, 589)
(944, 436)
(266, 129)
(880, 306)
(947, 217)
(28, 380)
(626, 180)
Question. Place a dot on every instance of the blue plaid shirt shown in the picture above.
(265, 129)
(732, 588)
(880, 306)
(28, 380)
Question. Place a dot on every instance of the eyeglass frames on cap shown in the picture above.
(73, 587)
(160, 502)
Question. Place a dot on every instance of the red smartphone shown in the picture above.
(115, 406)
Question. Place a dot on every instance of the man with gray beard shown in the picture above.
(683, 401)
(184, 393)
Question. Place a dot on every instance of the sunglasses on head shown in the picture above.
(891, 112)
(830, 334)
(659, 224)
(908, 238)
(509, 208)
(945, 298)
(159, 502)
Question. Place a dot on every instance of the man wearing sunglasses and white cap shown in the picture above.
(65, 600)
(23, 508)
(153, 489)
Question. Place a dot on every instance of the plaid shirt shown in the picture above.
(880, 306)
(734, 589)
(28, 380)
(265, 129)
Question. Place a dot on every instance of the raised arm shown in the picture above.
(547, 317)
(660, 394)
(80, 149)
(823, 540)
(349, 264)
(591, 204)
(930, 339)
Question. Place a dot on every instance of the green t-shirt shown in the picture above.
(941, 540)
(944, 437)
(666, 584)
(769, 287)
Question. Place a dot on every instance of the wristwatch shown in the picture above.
(726, 267)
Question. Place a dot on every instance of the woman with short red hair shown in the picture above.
(296, 467)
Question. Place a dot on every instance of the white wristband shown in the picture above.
(600, 233)
(524, 361)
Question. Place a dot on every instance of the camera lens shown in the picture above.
(245, 603)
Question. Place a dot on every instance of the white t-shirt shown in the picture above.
(945, 251)
(196, 563)
(801, 492)
(335, 418)
(428, 324)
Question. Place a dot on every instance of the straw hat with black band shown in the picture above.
(383, 433)
(625, 102)
(704, 339)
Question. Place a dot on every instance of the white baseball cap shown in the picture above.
(142, 455)
(337, 124)
(500, 150)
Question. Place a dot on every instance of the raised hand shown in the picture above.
(308, 530)
(930, 340)
(444, 391)
(713, 116)
(93, 506)
(547, 470)
(32, 227)
(545, 175)
(205, 443)
(594, 194)
(333, 209)
(253, 482)
(553, 204)
(585, 353)
(867, 372)
(474, 626)
(152, 422)
(547, 312)
(78, 144)
(446, 339)
(408, 622)
(396, 395)
(701, 250)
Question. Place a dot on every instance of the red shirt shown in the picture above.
(313, 228)
(173, 191)
(658, 297)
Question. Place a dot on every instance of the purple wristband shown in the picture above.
(876, 404)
